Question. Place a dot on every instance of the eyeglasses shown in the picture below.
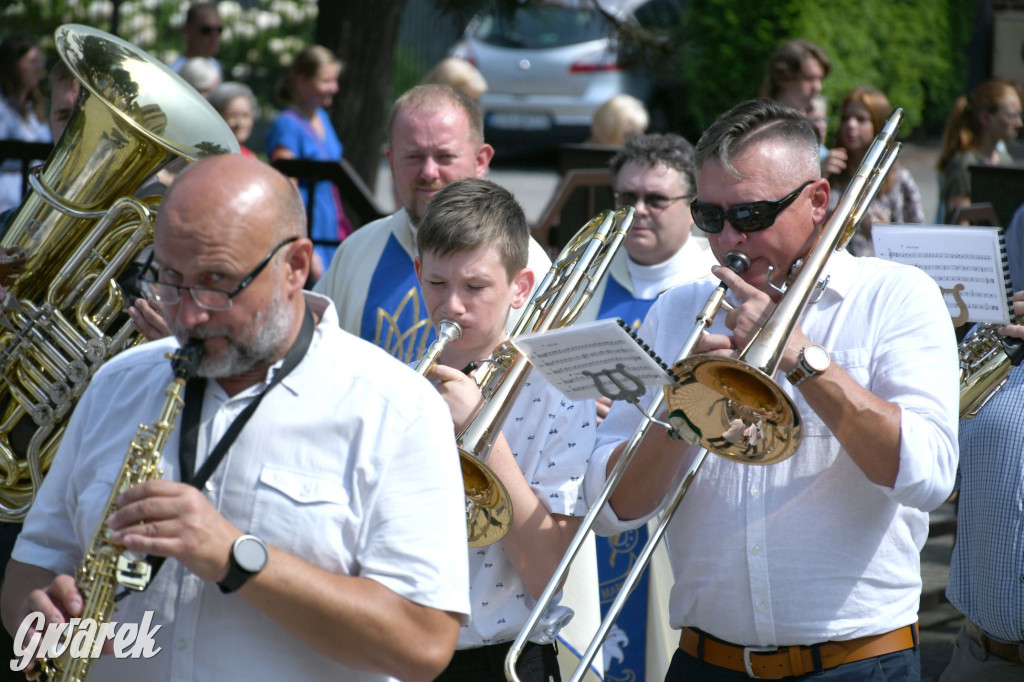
(206, 298)
(751, 217)
(210, 30)
(655, 202)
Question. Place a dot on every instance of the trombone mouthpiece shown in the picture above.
(737, 262)
(449, 328)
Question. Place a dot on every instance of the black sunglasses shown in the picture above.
(751, 217)
(210, 30)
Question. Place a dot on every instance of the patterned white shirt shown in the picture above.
(552, 439)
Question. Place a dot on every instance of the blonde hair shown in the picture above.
(618, 119)
(458, 74)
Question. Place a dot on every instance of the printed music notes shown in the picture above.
(968, 262)
(594, 359)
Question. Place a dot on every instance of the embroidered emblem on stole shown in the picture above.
(395, 316)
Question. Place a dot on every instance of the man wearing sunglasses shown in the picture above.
(809, 566)
(291, 506)
(202, 30)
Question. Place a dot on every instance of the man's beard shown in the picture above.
(263, 340)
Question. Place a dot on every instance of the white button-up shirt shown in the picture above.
(348, 464)
(808, 549)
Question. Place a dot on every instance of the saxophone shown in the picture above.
(108, 566)
(985, 362)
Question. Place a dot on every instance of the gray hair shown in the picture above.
(755, 122)
(222, 95)
(669, 150)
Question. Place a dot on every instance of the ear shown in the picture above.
(819, 201)
(522, 287)
(298, 259)
(484, 154)
(418, 266)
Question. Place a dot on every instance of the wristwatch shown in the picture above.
(248, 557)
(813, 360)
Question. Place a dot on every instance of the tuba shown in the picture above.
(81, 229)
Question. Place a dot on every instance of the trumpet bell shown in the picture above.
(488, 508)
(737, 411)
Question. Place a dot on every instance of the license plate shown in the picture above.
(516, 120)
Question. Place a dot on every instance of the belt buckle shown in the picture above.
(747, 650)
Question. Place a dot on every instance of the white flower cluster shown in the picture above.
(261, 36)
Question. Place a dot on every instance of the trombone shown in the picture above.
(730, 389)
(557, 302)
(487, 502)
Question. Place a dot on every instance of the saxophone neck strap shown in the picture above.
(191, 413)
(190, 417)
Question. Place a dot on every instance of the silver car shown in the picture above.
(548, 67)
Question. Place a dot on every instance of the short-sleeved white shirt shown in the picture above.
(338, 466)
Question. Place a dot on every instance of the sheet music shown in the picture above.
(581, 360)
(968, 263)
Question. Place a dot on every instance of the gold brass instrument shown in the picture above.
(757, 395)
(487, 502)
(108, 566)
(736, 262)
(81, 230)
(557, 302)
(986, 359)
(712, 392)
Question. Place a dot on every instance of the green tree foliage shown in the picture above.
(913, 50)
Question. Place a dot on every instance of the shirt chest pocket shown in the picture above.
(307, 515)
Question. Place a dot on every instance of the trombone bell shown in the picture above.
(488, 510)
(733, 409)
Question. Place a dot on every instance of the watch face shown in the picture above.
(816, 358)
(250, 554)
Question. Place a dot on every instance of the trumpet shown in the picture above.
(712, 391)
(487, 503)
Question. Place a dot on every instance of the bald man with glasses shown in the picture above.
(290, 509)
(808, 567)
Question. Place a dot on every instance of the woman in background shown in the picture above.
(976, 132)
(861, 116)
(22, 111)
(304, 131)
(236, 104)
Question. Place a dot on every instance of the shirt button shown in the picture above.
(754, 492)
(756, 549)
(182, 644)
(761, 606)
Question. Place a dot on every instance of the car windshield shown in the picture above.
(544, 26)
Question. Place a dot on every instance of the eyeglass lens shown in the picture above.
(210, 30)
(656, 201)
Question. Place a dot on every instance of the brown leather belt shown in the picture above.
(1008, 651)
(776, 663)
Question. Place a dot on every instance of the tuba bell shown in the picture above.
(81, 229)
